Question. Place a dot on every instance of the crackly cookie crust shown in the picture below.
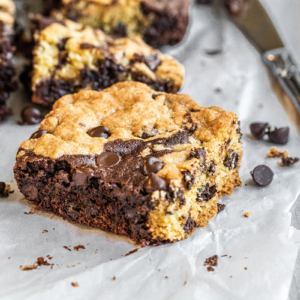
(158, 22)
(70, 57)
(199, 149)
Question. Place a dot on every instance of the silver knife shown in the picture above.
(260, 29)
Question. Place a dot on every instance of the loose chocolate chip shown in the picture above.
(2, 187)
(81, 175)
(100, 131)
(108, 159)
(279, 135)
(262, 175)
(221, 207)
(153, 165)
(31, 115)
(38, 134)
(259, 130)
(155, 183)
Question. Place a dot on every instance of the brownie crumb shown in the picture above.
(211, 262)
(131, 252)
(221, 207)
(44, 231)
(247, 214)
(4, 189)
(49, 257)
(28, 213)
(288, 161)
(76, 248)
(224, 255)
(67, 248)
(273, 152)
(40, 262)
(75, 284)
(114, 278)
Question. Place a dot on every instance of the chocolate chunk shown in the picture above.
(155, 183)
(231, 160)
(81, 175)
(221, 207)
(288, 161)
(205, 193)
(2, 187)
(31, 115)
(100, 131)
(152, 61)
(259, 130)
(279, 135)
(108, 159)
(153, 165)
(38, 134)
(198, 153)
(189, 225)
(262, 175)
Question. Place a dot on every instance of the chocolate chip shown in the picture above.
(262, 175)
(153, 165)
(279, 135)
(152, 61)
(288, 161)
(100, 131)
(2, 187)
(155, 183)
(221, 207)
(108, 159)
(259, 130)
(38, 134)
(81, 175)
(31, 115)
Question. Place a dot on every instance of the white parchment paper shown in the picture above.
(264, 243)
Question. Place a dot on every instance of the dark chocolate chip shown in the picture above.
(81, 175)
(262, 175)
(100, 131)
(38, 134)
(279, 135)
(221, 207)
(288, 161)
(259, 130)
(152, 61)
(155, 183)
(108, 159)
(153, 165)
(2, 187)
(31, 115)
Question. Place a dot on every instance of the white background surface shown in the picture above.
(264, 243)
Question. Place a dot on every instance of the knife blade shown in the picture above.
(260, 30)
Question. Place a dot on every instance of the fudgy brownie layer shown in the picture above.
(113, 199)
(167, 19)
(7, 70)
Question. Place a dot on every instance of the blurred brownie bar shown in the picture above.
(7, 70)
(69, 57)
(132, 161)
(158, 22)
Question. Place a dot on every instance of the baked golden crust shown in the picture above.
(7, 12)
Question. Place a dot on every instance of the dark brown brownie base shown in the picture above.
(111, 199)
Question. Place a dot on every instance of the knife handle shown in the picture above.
(286, 71)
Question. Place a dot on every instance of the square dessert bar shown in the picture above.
(132, 161)
(157, 22)
(70, 57)
(7, 70)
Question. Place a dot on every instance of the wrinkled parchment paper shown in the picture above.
(261, 250)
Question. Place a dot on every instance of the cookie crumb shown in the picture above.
(211, 262)
(273, 152)
(246, 268)
(184, 283)
(166, 277)
(288, 161)
(114, 278)
(40, 262)
(76, 248)
(44, 231)
(75, 284)
(247, 214)
(67, 248)
(9, 258)
(131, 252)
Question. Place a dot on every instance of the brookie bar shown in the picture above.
(70, 57)
(132, 161)
(157, 22)
(7, 70)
